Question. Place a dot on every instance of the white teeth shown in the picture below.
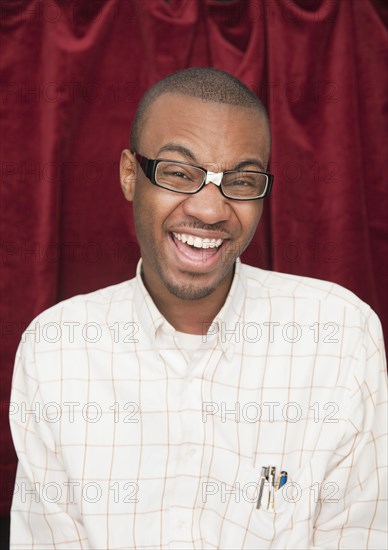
(197, 242)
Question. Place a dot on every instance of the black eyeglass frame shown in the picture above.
(149, 167)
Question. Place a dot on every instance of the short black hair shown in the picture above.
(206, 83)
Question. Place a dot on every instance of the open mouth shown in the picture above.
(196, 248)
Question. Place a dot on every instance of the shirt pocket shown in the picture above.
(291, 506)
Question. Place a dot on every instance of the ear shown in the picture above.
(128, 174)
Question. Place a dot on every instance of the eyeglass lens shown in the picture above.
(187, 179)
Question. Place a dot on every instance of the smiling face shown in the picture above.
(189, 243)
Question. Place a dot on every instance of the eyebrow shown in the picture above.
(249, 162)
(175, 148)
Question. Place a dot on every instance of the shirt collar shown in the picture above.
(148, 314)
(224, 325)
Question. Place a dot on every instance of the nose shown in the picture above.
(208, 205)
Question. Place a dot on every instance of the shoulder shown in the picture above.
(80, 311)
(298, 288)
(312, 312)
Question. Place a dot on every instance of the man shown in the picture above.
(205, 403)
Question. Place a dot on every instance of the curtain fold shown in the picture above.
(72, 75)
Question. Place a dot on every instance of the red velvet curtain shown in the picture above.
(72, 74)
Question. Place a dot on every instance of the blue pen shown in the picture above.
(283, 479)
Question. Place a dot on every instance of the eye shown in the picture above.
(241, 182)
(177, 174)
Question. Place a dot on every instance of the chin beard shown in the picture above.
(189, 292)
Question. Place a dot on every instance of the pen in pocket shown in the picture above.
(266, 486)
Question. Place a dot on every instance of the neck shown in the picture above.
(189, 316)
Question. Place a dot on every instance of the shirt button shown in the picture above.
(191, 452)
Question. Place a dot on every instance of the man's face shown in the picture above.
(217, 137)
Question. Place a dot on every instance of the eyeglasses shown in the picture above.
(182, 177)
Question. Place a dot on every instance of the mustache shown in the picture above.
(196, 224)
